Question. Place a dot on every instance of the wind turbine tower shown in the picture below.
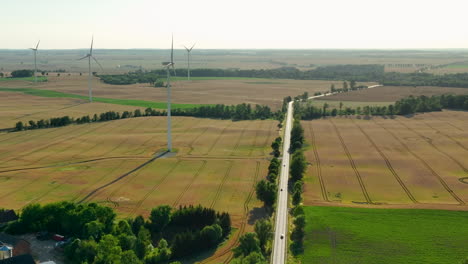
(188, 60)
(35, 61)
(168, 66)
(89, 56)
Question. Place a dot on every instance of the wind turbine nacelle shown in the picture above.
(166, 63)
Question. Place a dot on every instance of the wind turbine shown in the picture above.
(35, 64)
(188, 59)
(89, 56)
(169, 65)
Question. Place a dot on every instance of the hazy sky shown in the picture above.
(289, 24)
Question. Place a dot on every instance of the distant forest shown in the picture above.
(360, 73)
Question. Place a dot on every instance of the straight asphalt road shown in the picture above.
(281, 225)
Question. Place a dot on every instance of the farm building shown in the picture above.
(15, 245)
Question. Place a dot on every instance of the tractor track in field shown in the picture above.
(57, 142)
(221, 184)
(195, 139)
(228, 249)
(73, 163)
(218, 138)
(90, 185)
(194, 178)
(90, 194)
(155, 186)
(353, 165)
(238, 141)
(71, 146)
(429, 141)
(66, 180)
(446, 135)
(428, 167)
(44, 146)
(317, 163)
(388, 163)
(127, 138)
(54, 110)
(450, 124)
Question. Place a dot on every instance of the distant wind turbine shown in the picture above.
(188, 60)
(35, 61)
(89, 56)
(168, 66)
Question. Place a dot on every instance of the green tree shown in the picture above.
(264, 230)
(296, 198)
(129, 257)
(298, 166)
(211, 234)
(93, 229)
(160, 217)
(19, 126)
(252, 258)
(266, 192)
(108, 251)
(248, 243)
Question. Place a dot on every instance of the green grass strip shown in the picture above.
(384, 236)
(140, 103)
(29, 79)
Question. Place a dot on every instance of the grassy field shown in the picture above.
(27, 79)
(360, 235)
(206, 91)
(417, 162)
(217, 163)
(130, 102)
(391, 93)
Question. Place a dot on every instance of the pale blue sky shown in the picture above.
(289, 24)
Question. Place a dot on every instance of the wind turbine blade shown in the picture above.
(172, 50)
(84, 57)
(186, 48)
(37, 46)
(91, 50)
(98, 63)
(192, 46)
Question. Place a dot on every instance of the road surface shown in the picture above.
(281, 224)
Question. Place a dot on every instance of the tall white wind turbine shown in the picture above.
(89, 56)
(35, 60)
(188, 60)
(168, 66)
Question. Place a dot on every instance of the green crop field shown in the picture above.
(360, 235)
(29, 79)
(131, 102)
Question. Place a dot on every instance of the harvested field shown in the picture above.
(414, 162)
(15, 107)
(392, 93)
(216, 165)
(361, 235)
(232, 91)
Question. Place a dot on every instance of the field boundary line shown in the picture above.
(122, 177)
(317, 163)
(155, 186)
(434, 173)
(388, 163)
(221, 184)
(195, 176)
(353, 165)
(429, 141)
